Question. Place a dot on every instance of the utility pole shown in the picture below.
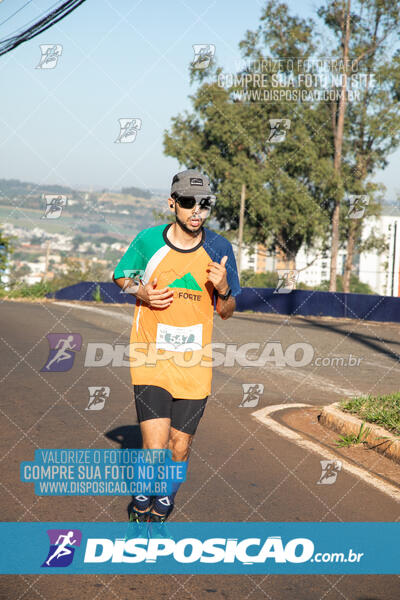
(338, 128)
(241, 219)
(394, 257)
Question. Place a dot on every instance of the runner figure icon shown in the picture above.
(62, 549)
(62, 346)
(97, 397)
(251, 394)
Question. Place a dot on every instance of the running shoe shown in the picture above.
(138, 523)
(137, 526)
(157, 527)
(138, 517)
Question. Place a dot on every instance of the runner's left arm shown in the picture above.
(226, 308)
(224, 277)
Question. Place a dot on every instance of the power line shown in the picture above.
(50, 19)
(23, 27)
(15, 13)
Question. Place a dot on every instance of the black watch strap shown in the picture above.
(225, 296)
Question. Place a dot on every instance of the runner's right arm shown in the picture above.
(149, 294)
(132, 264)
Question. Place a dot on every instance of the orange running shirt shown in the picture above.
(171, 347)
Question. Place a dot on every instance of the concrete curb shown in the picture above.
(266, 417)
(344, 423)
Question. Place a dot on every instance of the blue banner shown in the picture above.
(89, 472)
(200, 548)
(368, 307)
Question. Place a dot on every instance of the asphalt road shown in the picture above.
(239, 470)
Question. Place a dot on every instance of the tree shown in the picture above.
(374, 133)
(356, 286)
(78, 271)
(362, 30)
(287, 183)
(297, 191)
(249, 278)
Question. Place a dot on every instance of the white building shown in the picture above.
(380, 271)
(256, 258)
(314, 265)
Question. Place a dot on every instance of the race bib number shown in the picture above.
(179, 339)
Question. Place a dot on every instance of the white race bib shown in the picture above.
(179, 339)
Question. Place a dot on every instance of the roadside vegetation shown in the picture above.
(382, 410)
(75, 272)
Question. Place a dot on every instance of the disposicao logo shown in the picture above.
(62, 547)
(191, 550)
(62, 351)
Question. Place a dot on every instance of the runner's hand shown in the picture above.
(155, 298)
(217, 275)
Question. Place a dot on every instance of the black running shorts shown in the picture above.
(154, 402)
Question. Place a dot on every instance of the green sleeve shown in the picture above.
(133, 263)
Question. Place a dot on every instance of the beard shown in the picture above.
(184, 227)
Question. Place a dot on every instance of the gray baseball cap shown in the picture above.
(190, 182)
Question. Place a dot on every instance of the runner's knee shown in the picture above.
(180, 447)
(155, 433)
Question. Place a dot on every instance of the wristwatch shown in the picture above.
(225, 296)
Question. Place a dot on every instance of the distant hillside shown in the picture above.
(94, 213)
(101, 212)
(15, 187)
(137, 192)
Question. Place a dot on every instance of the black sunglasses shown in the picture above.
(205, 202)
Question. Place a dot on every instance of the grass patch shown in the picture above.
(96, 295)
(351, 438)
(383, 410)
(37, 290)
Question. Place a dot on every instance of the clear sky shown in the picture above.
(120, 59)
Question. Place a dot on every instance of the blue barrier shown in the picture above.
(298, 302)
(85, 290)
(327, 304)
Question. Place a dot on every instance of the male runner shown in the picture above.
(183, 267)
